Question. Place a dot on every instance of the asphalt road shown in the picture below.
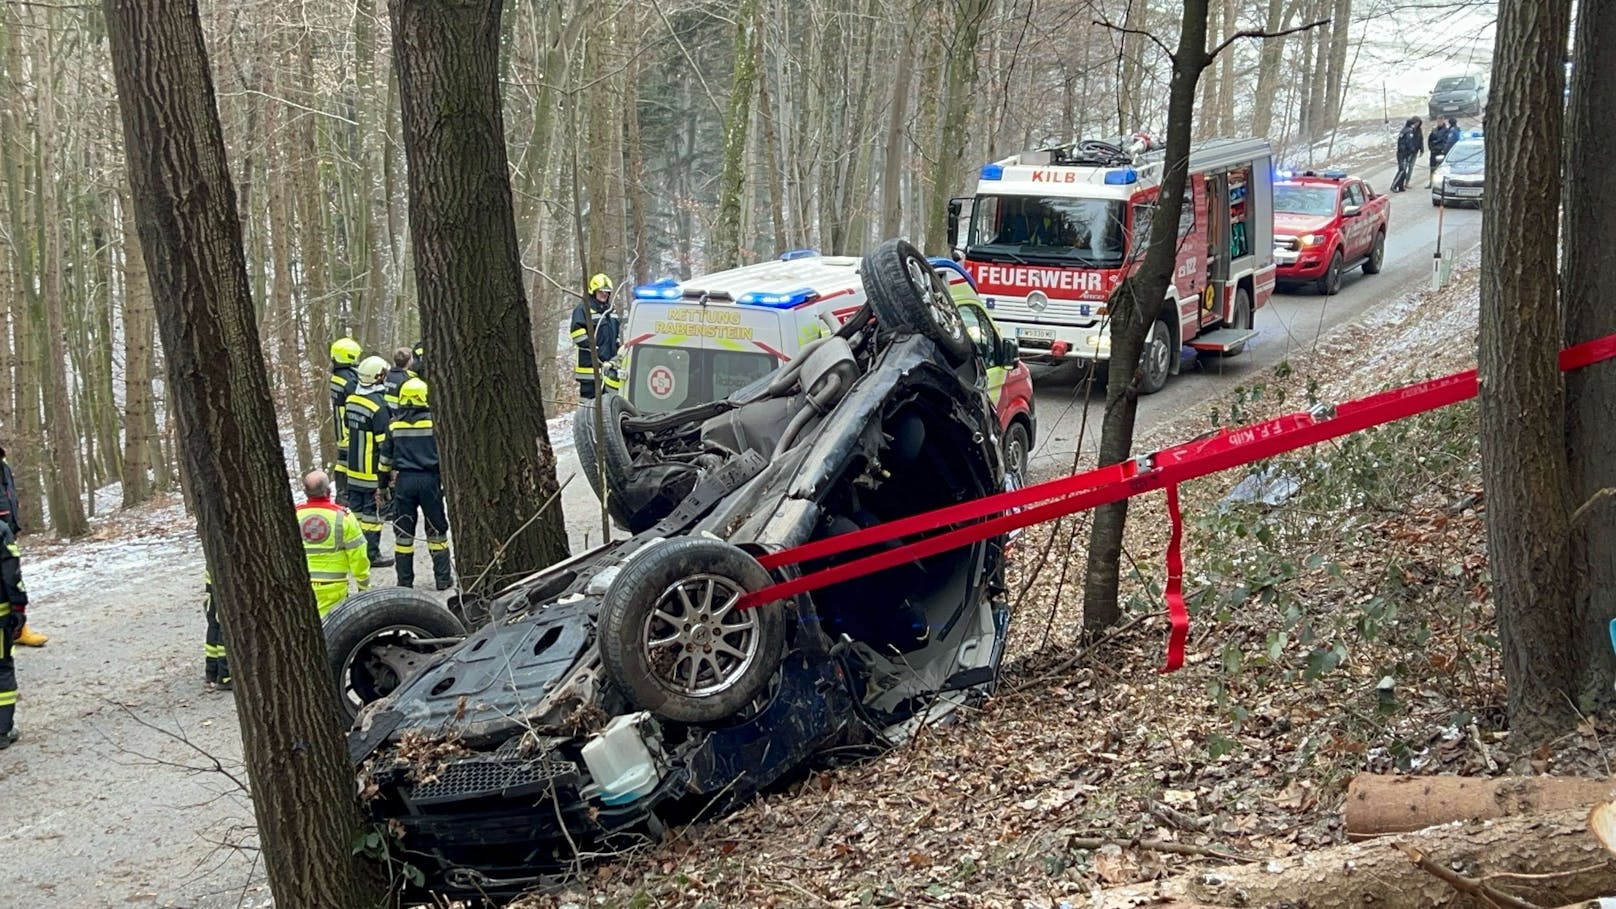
(1287, 329)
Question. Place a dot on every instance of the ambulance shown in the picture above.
(1051, 233)
(696, 341)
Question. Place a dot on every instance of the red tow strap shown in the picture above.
(980, 519)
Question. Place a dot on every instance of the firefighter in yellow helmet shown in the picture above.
(594, 317)
(333, 543)
(412, 451)
(345, 354)
(366, 418)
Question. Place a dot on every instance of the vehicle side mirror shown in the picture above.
(1008, 351)
(1351, 211)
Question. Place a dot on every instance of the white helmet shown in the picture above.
(372, 370)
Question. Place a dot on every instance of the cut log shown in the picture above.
(1380, 804)
(1377, 874)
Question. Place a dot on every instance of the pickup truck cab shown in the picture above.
(1327, 223)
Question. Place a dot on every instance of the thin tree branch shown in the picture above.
(1134, 31)
(1259, 33)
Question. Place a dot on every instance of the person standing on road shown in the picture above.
(1443, 135)
(1409, 143)
(345, 354)
(366, 417)
(412, 453)
(215, 663)
(13, 618)
(594, 313)
(333, 543)
(25, 636)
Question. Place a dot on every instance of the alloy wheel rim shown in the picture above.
(697, 642)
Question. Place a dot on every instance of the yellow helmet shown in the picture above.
(599, 282)
(413, 391)
(372, 370)
(346, 351)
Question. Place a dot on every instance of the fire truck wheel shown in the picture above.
(1156, 360)
(1377, 254)
(1330, 284)
(907, 295)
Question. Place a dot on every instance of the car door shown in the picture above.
(1354, 227)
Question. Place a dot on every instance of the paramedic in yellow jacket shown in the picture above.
(333, 543)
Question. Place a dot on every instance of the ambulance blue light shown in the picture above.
(785, 300)
(798, 254)
(951, 265)
(992, 172)
(665, 289)
(1121, 177)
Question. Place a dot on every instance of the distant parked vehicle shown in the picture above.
(1461, 180)
(1461, 96)
(1327, 223)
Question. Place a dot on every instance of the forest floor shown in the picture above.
(1344, 630)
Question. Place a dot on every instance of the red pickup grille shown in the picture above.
(1286, 243)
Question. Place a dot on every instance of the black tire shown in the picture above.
(907, 295)
(1330, 284)
(1377, 254)
(1245, 317)
(618, 463)
(1435, 202)
(1017, 447)
(377, 617)
(649, 669)
(583, 442)
(1156, 359)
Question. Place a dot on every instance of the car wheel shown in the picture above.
(1435, 202)
(610, 457)
(371, 642)
(1156, 360)
(1377, 254)
(672, 639)
(583, 442)
(1330, 284)
(1016, 446)
(907, 294)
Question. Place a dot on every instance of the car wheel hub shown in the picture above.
(942, 306)
(697, 642)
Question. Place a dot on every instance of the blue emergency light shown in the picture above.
(992, 172)
(798, 254)
(665, 289)
(1472, 134)
(1334, 173)
(951, 265)
(784, 300)
(1121, 177)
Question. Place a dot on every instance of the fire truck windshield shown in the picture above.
(1051, 229)
(1305, 200)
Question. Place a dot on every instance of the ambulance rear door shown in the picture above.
(688, 352)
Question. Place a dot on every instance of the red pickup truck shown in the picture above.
(1327, 223)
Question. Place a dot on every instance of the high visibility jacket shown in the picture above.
(366, 417)
(13, 592)
(411, 444)
(8, 495)
(395, 378)
(606, 337)
(334, 546)
(344, 382)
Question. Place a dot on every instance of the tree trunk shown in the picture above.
(1377, 804)
(1268, 64)
(1336, 79)
(1134, 306)
(282, 319)
(1590, 217)
(959, 86)
(771, 143)
(1377, 874)
(307, 816)
(469, 279)
(727, 232)
(1523, 456)
(140, 424)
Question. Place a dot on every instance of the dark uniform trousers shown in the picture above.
(13, 607)
(216, 662)
(423, 490)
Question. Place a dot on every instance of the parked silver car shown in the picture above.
(1461, 178)
(1460, 96)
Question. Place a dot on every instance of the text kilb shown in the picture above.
(1053, 176)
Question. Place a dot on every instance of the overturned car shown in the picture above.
(624, 687)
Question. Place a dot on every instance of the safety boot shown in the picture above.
(9, 737)
(28, 637)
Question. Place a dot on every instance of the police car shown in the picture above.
(697, 341)
(1462, 177)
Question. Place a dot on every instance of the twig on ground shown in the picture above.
(1173, 817)
(1469, 886)
(1098, 842)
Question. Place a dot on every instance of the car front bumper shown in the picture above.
(1458, 195)
(1301, 264)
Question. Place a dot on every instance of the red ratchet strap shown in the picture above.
(990, 516)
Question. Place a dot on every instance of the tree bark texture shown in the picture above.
(959, 86)
(140, 424)
(1523, 457)
(1378, 804)
(307, 815)
(731, 183)
(1375, 873)
(1587, 269)
(1135, 304)
(1271, 55)
(499, 471)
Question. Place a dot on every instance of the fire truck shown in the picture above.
(1051, 233)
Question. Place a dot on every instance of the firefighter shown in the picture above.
(418, 363)
(595, 311)
(401, 372)
(333, 543)
(215, 664)
(365, 418)
(25, 636)
(345, 354)
(13, 618)
(412, 452)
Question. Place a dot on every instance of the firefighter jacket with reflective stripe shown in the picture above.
(8, 494)
(395, 378)
(366, 419)
(333, 544)
(410, 443)
(606, 337)
(344, 382)
(15, 592)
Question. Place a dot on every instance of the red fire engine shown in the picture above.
(1051, 233)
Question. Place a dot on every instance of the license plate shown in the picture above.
(1450, 107)
(1464, 190)
(1036, 334)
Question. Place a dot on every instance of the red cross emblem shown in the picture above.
(315, 529)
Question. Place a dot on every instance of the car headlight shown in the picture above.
(1442, 172)
(1311, 240)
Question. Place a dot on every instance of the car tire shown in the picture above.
(583, 442)
(644, 644)
(1377, 254)
(1245, 318)
(371, 617)
(1017, 448)
(907, 295)
(618, 462)
(1156, 358)
(1330, 284)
